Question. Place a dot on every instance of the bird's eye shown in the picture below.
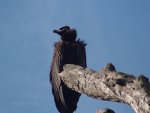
(61, 28)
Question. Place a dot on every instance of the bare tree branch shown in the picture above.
(105, 111)
(109, 85)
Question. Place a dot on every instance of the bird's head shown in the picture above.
(67, 34)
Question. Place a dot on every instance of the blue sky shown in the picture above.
(116, 31)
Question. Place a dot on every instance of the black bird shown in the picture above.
(68, 50)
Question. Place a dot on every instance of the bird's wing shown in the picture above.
(81, 52)
(56, 68)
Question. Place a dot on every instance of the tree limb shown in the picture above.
(105, 111)
(109, 85)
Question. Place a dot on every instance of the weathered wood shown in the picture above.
(109, 85)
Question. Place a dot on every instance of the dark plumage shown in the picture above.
(67, 51)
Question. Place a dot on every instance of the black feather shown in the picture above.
(67, 51)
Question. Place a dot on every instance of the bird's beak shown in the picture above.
(57, 31)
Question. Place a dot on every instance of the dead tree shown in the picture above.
(110, 85)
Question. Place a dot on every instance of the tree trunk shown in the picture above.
(109, 85)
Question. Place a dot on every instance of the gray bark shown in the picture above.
(110, 85)
(105, 111)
